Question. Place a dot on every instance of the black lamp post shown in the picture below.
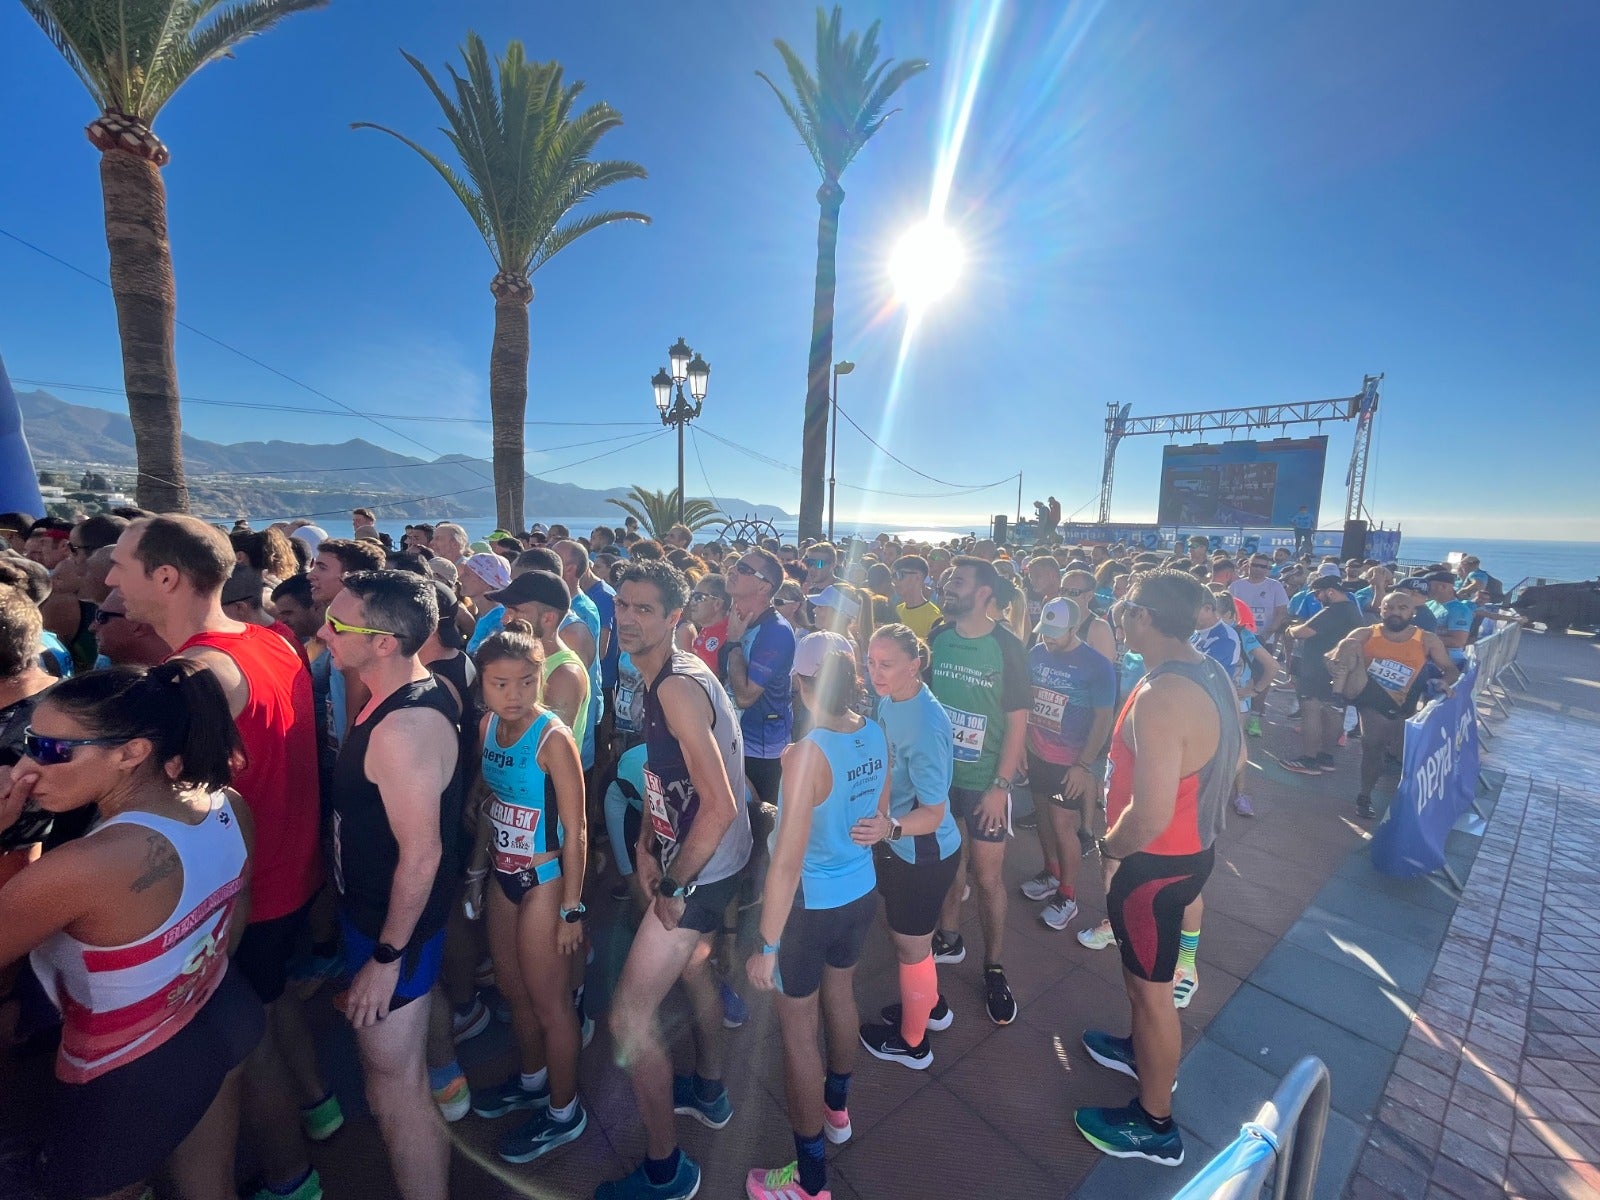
(839, 368)
(697, 373)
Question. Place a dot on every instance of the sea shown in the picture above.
(1511, 561)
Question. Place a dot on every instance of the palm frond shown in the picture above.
(64, 40)
(657, 511)
(470, 200)
(564, 235)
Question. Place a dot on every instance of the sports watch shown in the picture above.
(574, 914)
(673, 890)
(895, 830)
(386, 954)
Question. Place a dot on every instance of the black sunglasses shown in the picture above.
(52, 752)
(1076, 591)
(819, 563)
(102, 617)
(745, 568)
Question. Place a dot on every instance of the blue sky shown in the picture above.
(1171, 205)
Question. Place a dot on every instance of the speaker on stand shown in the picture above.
(1001, 525)
(1355, 540)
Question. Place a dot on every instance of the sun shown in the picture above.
(926, 263)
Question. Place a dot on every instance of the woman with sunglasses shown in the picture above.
(130, 928)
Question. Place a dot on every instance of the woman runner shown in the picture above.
(816, 910)
(130, 928)
(916, 843)
(534, 834)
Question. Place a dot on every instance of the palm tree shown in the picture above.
(657, 512)
(526, 160)
(836, 111)
(133, 56)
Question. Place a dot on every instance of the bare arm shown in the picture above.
(579, 640)
(744, 692)
(564, 692)
(807, 770)
(560, 760)
(1440, 657)
(1101, 639)
(234, 684)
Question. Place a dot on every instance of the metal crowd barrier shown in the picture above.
(1283, 1143)
(1497, 657)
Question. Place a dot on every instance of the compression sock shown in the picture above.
(660, 1171)
(1188, 943)
(836, 1091)
(919, 996)
(809, 1157)
(706, 1090)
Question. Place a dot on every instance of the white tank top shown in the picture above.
(120, 1002)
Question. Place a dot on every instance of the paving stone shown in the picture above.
(1347, 997)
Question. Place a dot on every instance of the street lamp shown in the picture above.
(839, 368)
(694, 371)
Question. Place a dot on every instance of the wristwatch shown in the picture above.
(1001, 782)
(386, 954)
(574, 914)
(895, 830)
(768, 947)
(1100, 845)
(673, 890)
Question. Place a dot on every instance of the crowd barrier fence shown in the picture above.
(1283, 1143)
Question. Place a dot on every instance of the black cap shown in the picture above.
(1439, 577)
(1415, 584)
(1327, 583)
(535, 587)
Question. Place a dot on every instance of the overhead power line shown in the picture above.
(965, 487)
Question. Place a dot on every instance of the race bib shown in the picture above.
(514, 832)
(1048, 709)
(967, 731)
(627, 702)
(1393, 676)
(661, 819)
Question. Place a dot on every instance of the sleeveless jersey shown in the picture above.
(671, 800)
(522, 809)
(1394, 666)
(365, 853)
(120, 1002)
(562, 656)
(1202, 803)
(279, 782)
(836, 870)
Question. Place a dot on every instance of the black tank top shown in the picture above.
(365, 853)
(456, 671)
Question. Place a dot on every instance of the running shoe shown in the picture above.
(454, 1098)
(1002, 1005)
(1252, 726)
(1113, 1053)
(938, 1020)
(310, 1189)
(780, 1183)
(1364, 808)
(506, 1097)
(588, 1031)
(1353, 734)
(1242, 805)
(1304, 765)
(1097, 938)
(713, 1114)
(467, 1025)
(541, 1135)
(735, 1012)
(637, 1186)
(1126, 1133)
(1184, 985)
(1059, 912)
(1041, 886)
(836, 1125)
(948, 950)
(323, 1119)
(1326, 763)
(885, 1042)
(483, 973)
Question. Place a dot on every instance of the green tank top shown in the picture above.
(567, 655)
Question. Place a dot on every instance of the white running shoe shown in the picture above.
(1041, 886)
(1097, 938)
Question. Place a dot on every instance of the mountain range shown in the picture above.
(269, 480)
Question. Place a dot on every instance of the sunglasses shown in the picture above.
(820, 564)
(339, 626)
(745, 568)
(1076, 591)
(52, 752)
(105, 618)
(700, 597)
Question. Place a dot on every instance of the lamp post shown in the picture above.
(697, 373)
(839, 368)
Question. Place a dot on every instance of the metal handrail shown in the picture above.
(1286, 1134)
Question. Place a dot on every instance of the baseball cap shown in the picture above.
(442, 568)
(245, 583)
(1058, 618)
(1328, 571)
(539, 527)
(449, 636)
(1413, 584)
(1328, 583)
(535, 587)
(832, 597)
(1439, 577)
(490, 568)
(496, 535)
(810, 650)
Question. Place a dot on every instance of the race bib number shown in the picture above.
(1392, 676)
(1048, 709)
(515, 835)
(627, 702)
(967, 731)
(661, 819)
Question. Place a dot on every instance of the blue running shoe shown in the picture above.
(506, 1097)
(541, 1135)
(1127, 1133)
(713, 1115)
(1113, 1053)
(735, 1012)
(637, 1186)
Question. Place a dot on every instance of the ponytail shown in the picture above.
(835, 685)
(515, 639)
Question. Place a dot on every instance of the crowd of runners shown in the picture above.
(238, 765)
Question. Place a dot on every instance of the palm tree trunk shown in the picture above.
(147, 307)
(814, 436)
(508, 395)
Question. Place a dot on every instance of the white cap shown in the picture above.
(832, 597)
(490, 568)
(1057, 618)
(1328, 569)
(311, 535)
(810, 650)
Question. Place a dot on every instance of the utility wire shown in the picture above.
(965, 487)
(783, 466)
(706, 478)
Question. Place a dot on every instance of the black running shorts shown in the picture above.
(913, 893)
(1145, 904)
(817, 937)
(267, 947)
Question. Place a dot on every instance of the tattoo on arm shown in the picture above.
(161, 860)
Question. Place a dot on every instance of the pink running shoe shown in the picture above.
(780, 1183)
(836, 1125)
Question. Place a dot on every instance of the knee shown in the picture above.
(987, 870)
(630, 1026)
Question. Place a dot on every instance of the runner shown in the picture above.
(1453, 614)
(916, 843)
(692, 847)
(1320, 710)
(914, 607)
(759, 658)
(1074, 688)
(397, 804)
(708, 608)
(1265, 597)
(124, 642)
(156, 1030)
(534, 834)
(817, 909)
(979, 672)
(1174, 753)
(541, 599)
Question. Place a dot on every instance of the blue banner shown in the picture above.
(1438, 782)
(19, 485)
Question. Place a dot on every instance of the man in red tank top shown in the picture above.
(171, 571)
